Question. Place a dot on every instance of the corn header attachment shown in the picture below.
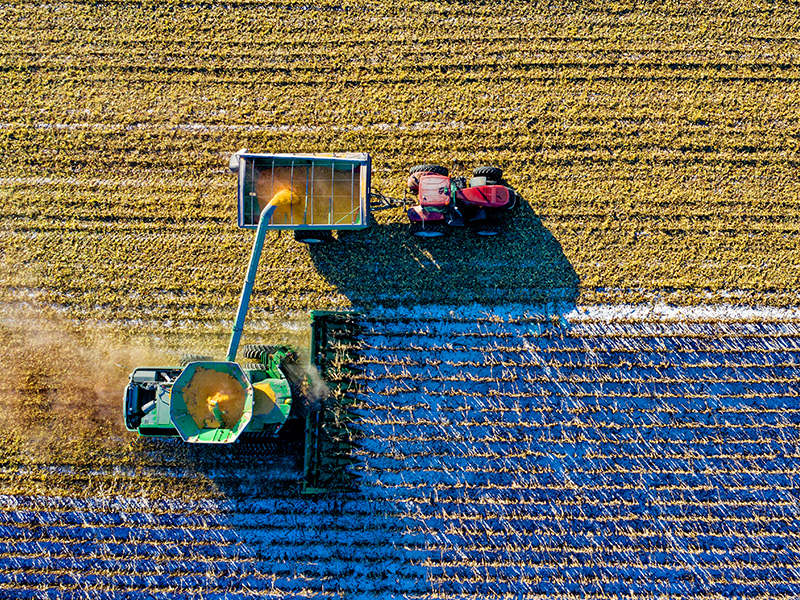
(329, 434)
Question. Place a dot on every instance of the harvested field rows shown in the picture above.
(619, 448)
(656, 147)
(503, 452)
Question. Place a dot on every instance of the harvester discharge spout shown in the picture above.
(250, 278)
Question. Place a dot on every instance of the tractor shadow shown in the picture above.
(386, 265)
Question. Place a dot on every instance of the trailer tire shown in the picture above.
(312, 237)
(494, 175)
(190, 358)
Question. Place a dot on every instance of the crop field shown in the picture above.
(502, 453)
(600, 402)
(656, 148)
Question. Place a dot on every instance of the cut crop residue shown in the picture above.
(214, 399)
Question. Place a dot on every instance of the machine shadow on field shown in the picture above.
(386, 265)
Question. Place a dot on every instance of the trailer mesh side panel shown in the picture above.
(309, 192)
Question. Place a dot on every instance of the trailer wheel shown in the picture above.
(494, 175)
(190, 358)
(312, 237)
(413, 180)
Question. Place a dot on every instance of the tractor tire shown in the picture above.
(413, 182)
(488, 228)
(435, 229)
(313, 237)
(514, 201)
(190, 358)
(489, 231)
(494, 175)
(435, 169)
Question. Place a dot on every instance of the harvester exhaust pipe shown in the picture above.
(249, 280)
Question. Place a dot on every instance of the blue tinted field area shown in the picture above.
(505, 455)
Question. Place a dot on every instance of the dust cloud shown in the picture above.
(61, 386)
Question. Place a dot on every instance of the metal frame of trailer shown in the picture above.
(305, 169)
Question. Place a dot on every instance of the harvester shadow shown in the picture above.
(251, 468)
(386, 265)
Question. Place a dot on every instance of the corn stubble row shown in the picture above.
(655, 148)
(482, 471)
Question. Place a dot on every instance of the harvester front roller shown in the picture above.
(190, 358)
(263, 353)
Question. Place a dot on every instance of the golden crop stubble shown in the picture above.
(659, 158)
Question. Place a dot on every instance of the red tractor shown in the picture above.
(445, 201)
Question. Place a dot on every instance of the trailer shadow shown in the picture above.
(386, 265)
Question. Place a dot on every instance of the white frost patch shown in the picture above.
(148, 182)
(607, 313)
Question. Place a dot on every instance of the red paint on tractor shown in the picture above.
(489, 196)
(434, 190)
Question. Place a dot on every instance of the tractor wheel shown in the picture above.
(487, 228)
(494, 175)
(413, 182)
(435, 169)
(190, 358)
(312, 237)
(514, 201)
(486, 223)
(487, 231)
(432, 229)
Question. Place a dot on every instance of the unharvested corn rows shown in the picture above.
(468, 486)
